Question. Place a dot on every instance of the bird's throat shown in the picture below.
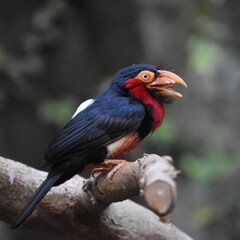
(157, 108)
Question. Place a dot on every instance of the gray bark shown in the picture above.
(68, 211)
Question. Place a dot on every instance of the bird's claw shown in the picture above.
(115, 169)
(111, 166)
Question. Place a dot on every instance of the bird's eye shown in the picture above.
(146, 76)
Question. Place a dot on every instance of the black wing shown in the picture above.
(98, 125)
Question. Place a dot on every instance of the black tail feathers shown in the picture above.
(35, 199)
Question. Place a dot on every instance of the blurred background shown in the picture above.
(55, 54)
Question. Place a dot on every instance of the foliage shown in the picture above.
(57, 111)
(166, 133)
(205, 169)
(202, 54)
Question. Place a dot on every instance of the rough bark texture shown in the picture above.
(153, 176)
(68, 211)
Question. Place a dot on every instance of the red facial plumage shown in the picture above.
(142, 93)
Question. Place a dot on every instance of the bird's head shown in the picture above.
(159, 83)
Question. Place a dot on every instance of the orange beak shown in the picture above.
(164, 83)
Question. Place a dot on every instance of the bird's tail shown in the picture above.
(35, 199)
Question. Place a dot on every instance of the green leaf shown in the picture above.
(166, 133)
(58, 111)
(202, 55)
(208, 168)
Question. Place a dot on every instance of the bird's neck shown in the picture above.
(157, 108)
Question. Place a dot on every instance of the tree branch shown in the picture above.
(67, 210)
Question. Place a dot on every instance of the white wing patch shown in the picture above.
(83, 106)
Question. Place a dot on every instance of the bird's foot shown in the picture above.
(111, 165)
(100, 168)
(116, 164)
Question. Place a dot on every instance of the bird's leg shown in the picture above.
(94, 165)
(100, 169)
(97, 168)
(114, 165)
(111, 165)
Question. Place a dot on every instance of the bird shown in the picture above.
(108, 126)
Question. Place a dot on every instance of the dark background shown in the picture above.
(55, 54)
